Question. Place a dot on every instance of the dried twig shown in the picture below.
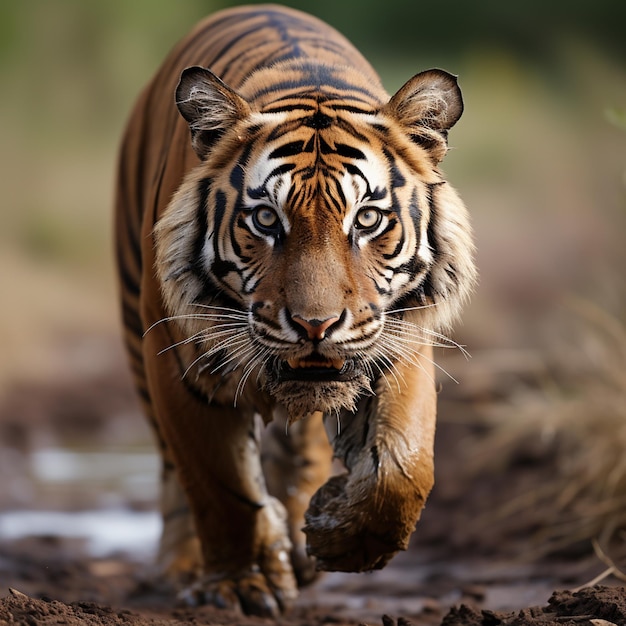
(612, 569)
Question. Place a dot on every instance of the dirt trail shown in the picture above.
(599, 606)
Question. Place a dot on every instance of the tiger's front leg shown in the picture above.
(242, 529)
(357, 521)
(297, 460)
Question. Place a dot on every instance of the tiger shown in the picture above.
(288, 254)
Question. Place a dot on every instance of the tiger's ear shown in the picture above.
(209, 106)
(427, 106)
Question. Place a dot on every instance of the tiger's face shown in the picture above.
(324, 242)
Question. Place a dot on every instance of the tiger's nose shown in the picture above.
(315, 329)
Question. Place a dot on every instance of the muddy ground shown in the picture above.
(469, 563)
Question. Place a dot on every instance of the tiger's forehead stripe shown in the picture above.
(312, 168)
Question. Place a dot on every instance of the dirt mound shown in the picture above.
(595, 606)
(18, 608)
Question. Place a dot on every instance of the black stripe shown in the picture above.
(397, 180)
(345, 125)
(204, 188)
(319, 77)
(259, 61)
(235, 40)
(296, 106)
(220, 267)
(390, 226)
(349, 152)
(350, 108)
(241, 497)
(355, 171)
(129, 246)
(236, 218)
(415, 213)
(294, 85)
(128, 281)
(318, 121)
(131, 319)
(339, 207)
(144, 394)
(282, 130)
(288, 150)
(375, 458)
(427, 290)
(340, 193)
(416, 217)
(433, 218)
(281, 169)
(379, 193)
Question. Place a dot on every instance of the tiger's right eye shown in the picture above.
(368, 218)
(265, 219)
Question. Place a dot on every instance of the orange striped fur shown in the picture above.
(289, 253)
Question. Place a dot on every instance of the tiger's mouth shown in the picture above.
(316, 368)
(304, 385)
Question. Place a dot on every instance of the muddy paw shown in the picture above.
(250, 593)
(348, 534)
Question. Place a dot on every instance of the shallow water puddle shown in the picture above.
(106, 532)
(134, 472)
(106, 498)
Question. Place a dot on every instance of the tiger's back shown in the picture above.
(287, 246)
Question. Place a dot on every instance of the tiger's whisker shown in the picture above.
(391, 368)
(212, 351)
(412, 308)
(238, 355)
(443, 341)
(405, 326)
(403, 353)
(219, 308)
(254, 362)
(399, 346)
(203, 335)
(195, 316)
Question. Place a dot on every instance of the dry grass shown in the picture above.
(575, 427)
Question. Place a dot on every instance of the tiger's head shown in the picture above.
(316, 244)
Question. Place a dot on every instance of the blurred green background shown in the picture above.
(539, 156)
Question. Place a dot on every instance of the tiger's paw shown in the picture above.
(349, 536)
(249, 592)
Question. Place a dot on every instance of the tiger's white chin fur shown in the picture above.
(302, 398)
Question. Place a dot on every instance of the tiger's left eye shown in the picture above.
(265, 218)
(368, 218)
